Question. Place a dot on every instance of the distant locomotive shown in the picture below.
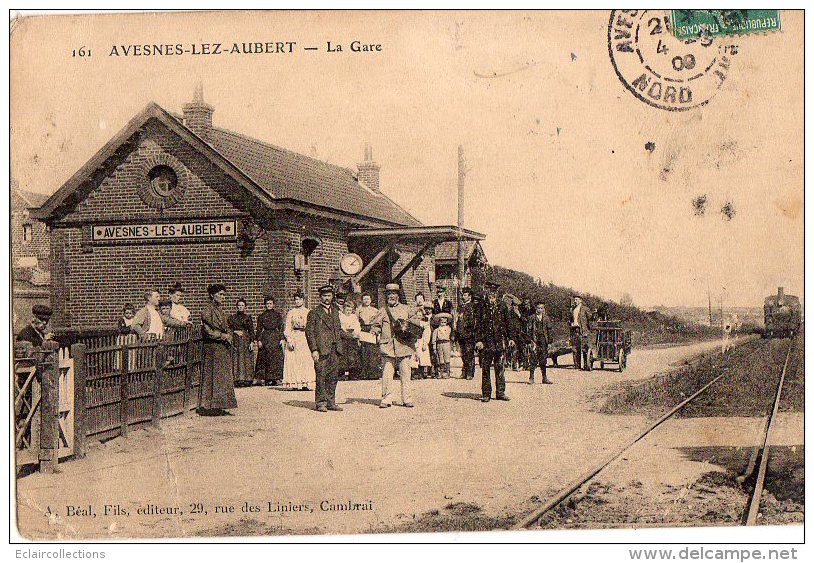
(782, 315)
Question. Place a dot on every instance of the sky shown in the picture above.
(559, 177)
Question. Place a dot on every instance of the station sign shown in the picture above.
(164, 231)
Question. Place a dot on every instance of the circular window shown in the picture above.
(163, 180)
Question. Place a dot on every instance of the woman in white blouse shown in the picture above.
(298, 369)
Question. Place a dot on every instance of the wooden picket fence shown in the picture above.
(99, 386)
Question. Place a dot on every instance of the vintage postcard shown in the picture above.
(310, 273)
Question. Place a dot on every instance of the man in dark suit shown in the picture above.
(495, 331)
(323, 331)
(441, 304)
(539, 335)
(466, 332)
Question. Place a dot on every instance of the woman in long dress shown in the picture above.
(298, 370)
(269, 367)
(369, 354)
(217, 390)
(351, 329)
(242, 327)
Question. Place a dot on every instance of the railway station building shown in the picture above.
(172, 198)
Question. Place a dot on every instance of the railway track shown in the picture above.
(759, 459)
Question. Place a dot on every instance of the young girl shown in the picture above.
(422, 349)
(126, 322)
(441, 344)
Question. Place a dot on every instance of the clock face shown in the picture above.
(351, 264)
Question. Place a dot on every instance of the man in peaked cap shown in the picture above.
(323, 331)
(37, 331)
(466, 332)
(396, 347)
(495, 331)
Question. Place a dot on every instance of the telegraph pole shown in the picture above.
(461, 249)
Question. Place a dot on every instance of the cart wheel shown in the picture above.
(622, 360)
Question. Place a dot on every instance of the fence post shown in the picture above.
(160, 357)
(123, 386)
(80, 374)
(49, 413)
(188, 371)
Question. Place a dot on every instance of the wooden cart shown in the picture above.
(611, 346)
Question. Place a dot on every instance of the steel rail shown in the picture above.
(753, 506)
(564, 493)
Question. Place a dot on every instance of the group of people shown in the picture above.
(312, 349)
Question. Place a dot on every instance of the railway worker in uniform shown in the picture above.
(539, 336)
(580, 332)
(37, 330)
(323, 331)
(494, 333)
(396, 345)
(217, 391)
(466, 332)
(369, 360)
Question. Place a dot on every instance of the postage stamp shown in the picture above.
(691, 24)
(661, 69)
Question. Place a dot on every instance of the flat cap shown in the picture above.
(42, 312)
(392, 288)
(327, 288)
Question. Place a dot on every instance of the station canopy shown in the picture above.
(383, 240)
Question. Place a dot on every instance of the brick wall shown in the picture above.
(117, 196)
(91, 288)
(91, 283)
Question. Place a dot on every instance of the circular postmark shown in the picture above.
(661, 70)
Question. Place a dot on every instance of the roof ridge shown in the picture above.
(285, 150)
(355, 176)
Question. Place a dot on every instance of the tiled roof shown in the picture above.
(31, 199)
(287, 175)
(449, 250)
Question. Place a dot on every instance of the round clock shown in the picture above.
(351, 264)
